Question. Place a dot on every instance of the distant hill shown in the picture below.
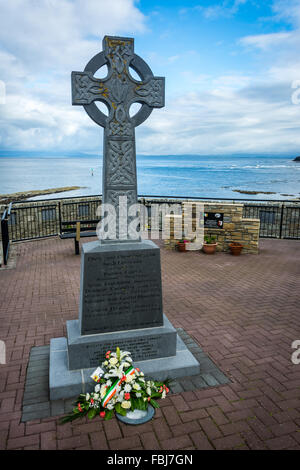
(297, 159)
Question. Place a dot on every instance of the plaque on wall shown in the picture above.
(213, 220)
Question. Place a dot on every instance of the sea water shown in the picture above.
(172, 175)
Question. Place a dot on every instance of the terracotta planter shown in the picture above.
(181, 246)
(235, 248)
(209, 248)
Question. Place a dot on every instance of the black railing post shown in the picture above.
(281, 220)
(59, 216)
(5, 234)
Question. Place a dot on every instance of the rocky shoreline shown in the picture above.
(24, 195)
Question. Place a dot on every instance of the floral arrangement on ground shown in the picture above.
(120, 388)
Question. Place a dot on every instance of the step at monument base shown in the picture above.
(65, 383)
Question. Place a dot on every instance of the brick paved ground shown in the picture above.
(243, 311)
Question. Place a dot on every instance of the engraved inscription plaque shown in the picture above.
(121, 290)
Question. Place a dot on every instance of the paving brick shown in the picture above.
(210, 429)
(200, 440)
(228, 442)
(171, 415)
(125, 443)
(98, 440)
(48, 440)
(179, 403)
(284, 428)
(176, 443)
(73, 442)
(217, 415)
(161, 429)
(23, 441)
(192, 415)
(185, 428)
(280, 443)
(149, 441)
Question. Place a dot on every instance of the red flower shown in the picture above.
(92, 401)
(79, 407)
(167, 390)
(149, 398)
(127, 396)
(102, 414)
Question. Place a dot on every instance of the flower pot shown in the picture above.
(235, 248)
(137, 416)
(209, 248)
(181, 246)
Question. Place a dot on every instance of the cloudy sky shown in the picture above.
(232, 71)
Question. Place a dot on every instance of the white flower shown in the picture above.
(127, 388)
(126, 404)
(138, 395)
(110, 406)
(97, 388)
(105, 363)
(108, 383)
(129, 378)
(96, 396)
(113, 361)
(87, 397)
(163, 395)
(126, 364)
(136, 386)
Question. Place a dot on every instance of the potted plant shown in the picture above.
(235, 248)
(209, 245)
(181, 244)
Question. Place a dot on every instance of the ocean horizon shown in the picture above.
(211, 176)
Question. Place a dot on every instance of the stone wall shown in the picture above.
(235, 227)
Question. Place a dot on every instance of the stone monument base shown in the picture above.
(86, 351)
(66, 383)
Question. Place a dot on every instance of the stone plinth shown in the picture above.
(120, 305)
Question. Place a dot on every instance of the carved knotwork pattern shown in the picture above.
(120, 163)
(87, 89)
(113, 197)
(151, 92)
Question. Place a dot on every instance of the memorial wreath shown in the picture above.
(119, 388)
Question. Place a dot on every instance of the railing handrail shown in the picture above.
(163, 197)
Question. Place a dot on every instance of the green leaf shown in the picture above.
(92, 413)
(154, 403)
(108, 414)
(122, 411)
(118, 408)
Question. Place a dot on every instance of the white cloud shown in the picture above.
(41, 43)
(267, 41)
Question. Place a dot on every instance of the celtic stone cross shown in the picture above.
(119, 90)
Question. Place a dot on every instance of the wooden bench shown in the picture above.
(77, 229)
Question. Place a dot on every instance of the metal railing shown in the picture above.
(44, 218)
(5, 233)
